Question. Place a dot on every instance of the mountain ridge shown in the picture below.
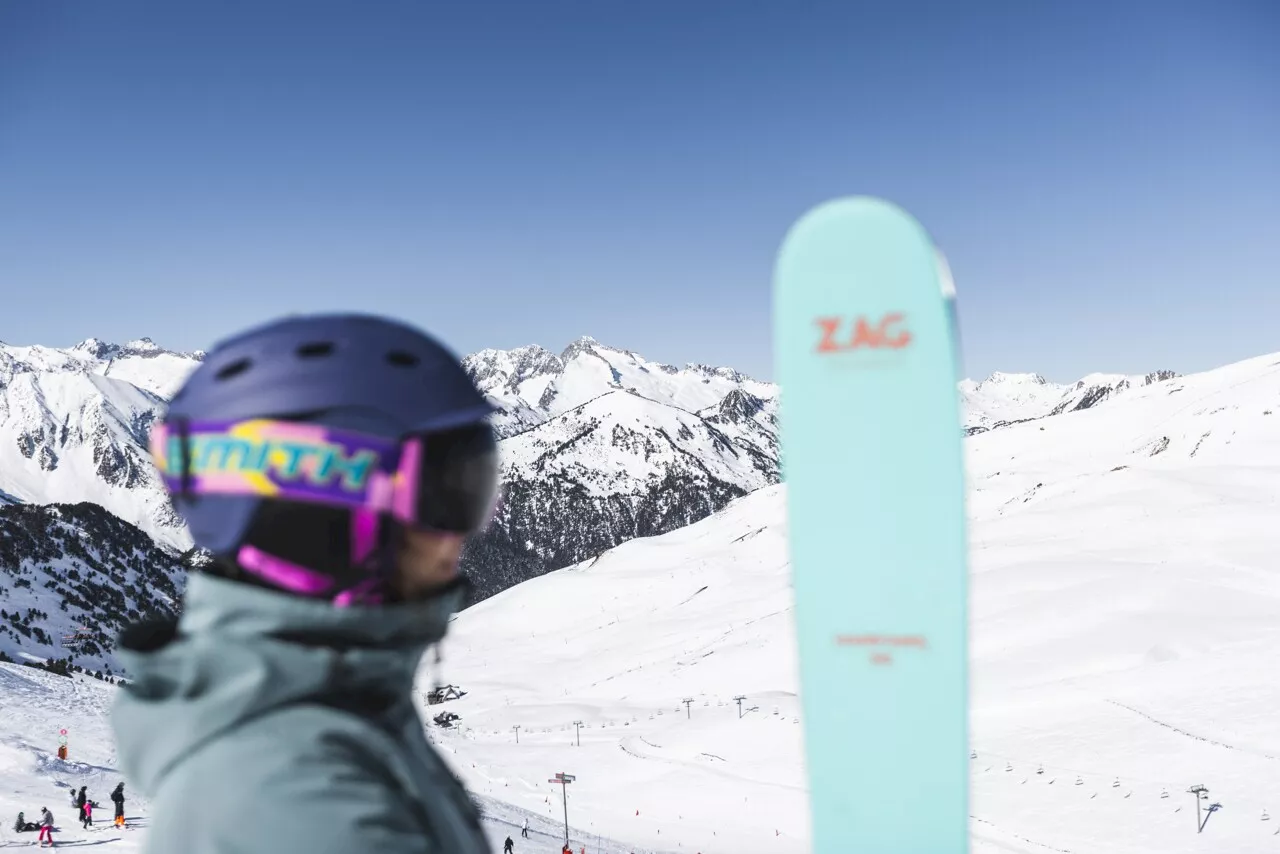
(598, 444)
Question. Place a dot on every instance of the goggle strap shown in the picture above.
(298, 579)
(364, 534)
(283, 573)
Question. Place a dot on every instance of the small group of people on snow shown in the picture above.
(44, 825)
(80, 800)
(508, 847)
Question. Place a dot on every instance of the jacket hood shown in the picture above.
(238, 652)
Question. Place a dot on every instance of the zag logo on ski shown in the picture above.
(885, 333)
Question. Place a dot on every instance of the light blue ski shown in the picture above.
(872, 459)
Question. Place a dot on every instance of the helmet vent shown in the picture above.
(315, 350)
(235, 369)
(401, 359)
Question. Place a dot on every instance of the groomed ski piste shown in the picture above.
(36, 705)
(1126, 637)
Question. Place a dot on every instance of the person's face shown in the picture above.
(427, 561)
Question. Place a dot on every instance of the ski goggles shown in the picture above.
(443, 481)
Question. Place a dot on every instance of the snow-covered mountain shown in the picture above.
(1126, 629)
(1126, 632)
(532, 384)
(600, 444)
(1002, 399)
(74, 426)
(72, 576)
(616, 467)
(651, 446)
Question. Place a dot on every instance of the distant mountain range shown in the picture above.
(599, 446)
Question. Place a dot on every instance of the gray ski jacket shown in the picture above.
(261, 722)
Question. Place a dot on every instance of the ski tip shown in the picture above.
(878, 215)
(852, 206)
(852, 209)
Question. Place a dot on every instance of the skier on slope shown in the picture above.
(80, 800)
(509, 846)
(334, 466)
(46, 827)
(524, 831)
(117, 797)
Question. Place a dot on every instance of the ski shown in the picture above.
(872, 458)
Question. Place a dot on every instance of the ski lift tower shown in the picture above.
(1202, 794)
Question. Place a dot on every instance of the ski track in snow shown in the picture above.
(1179, 731)
(988, 839)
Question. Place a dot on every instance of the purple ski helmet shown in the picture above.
(296, 449)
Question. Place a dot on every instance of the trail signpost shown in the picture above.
(564, 780)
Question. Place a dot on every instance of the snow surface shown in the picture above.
(645, 441)
(539, 385)
(1008, 398)
(74, 425)
(1126, 623)
(35, 705)
(77, 436)
(74, 422)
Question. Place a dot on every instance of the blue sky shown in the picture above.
(1104, 177)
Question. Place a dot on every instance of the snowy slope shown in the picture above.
(533, 385)
(72, 576)
(74, 425)
(141, 363)
(625, 442)
(73, 422)
(1003, 399)
(1126, 607)
(618, 642)
(601, 445)
(36, 705)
